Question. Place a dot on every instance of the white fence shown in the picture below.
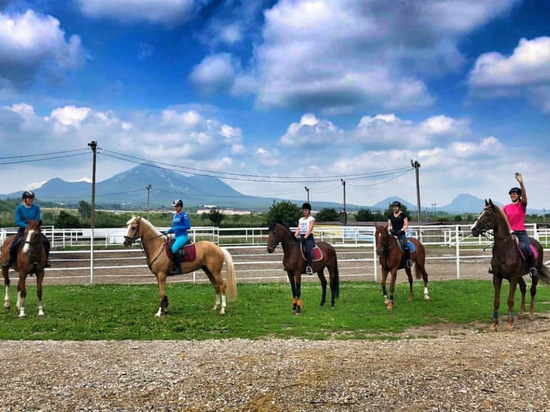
(74, 254)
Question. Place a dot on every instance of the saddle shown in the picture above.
(190, 251)
(412, 248)
(316, 253)
(522, 253)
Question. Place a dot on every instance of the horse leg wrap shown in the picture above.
(299, 303)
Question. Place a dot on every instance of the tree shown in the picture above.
(84, 210)
(364, 215)
(66, 221)
(327, 214)
(216, 217)
(285, 211)
(458, 218)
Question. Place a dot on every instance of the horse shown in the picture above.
(31, 259)
(209, 257)
(507, 262)
(391, 259)
(295, 264)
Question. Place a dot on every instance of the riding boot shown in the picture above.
(533, 272)
(408, 260)
(177, 265)
(47, 249)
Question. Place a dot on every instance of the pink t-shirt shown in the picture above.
(515, 212)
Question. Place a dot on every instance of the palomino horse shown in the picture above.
(507, 262)
(209, 258)
(31, 258)
(295, 265)
(391, 259)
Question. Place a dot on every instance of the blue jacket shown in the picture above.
(23, 213)
(180, 224)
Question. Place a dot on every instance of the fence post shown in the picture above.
(457, 233)
(374, 260)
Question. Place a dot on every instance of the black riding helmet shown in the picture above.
(306, 206)
(177, 202)
(26, 194)
(516, 190)
(396, 203)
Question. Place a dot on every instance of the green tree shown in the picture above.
(327, 214)
(216, 217)
(285, 211)
(67, 221)
(458, 218)
(364, 215)
(84, 210)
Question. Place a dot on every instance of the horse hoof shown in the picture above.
(222, 312)
(390, 306)
(427, 298)
(509, 328)
(410, 298)
(493, 328)
(293, 311)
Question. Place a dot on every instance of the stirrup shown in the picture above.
(409, 263)
(309, 270)
(533, 272)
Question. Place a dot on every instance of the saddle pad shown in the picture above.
(190, 252)
(316, 254)
(535, 253)
(412, 248)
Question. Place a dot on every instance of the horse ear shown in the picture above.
(486, 202)
(491, 202)
(40, 222)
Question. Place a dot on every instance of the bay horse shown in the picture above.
(209, 257)
(295, 264)
(31, 259)
(391, 259)
(507, 262)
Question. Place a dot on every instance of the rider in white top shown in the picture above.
(304, 232)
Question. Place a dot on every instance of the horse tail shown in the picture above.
(336, 281)
(231, 278)
(544, 274)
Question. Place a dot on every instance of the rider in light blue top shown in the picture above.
(180, 225)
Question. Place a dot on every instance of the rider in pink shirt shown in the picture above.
(515, 212)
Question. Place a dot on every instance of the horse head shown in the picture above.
(133, 232)
(487, 220)
(381, 238)
(32, 235)
(273, 236)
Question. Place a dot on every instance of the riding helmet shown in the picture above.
(396, 203)
(306, 206)
(177, 202)
(516, 190)
(27, 193)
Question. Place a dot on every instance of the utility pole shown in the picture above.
(307, 191)
(148, 187)
(93, 145)
(416, 166)
(345, 213)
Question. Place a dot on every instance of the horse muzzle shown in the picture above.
(270, 249)
(477, 231)
(128, 241)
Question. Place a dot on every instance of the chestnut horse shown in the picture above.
(209, 258)
(391, 259)
(295, 265)
(31, 259)
(507, 262)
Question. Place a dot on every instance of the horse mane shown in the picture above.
(145, 221)
(280, 222)
(503, 216)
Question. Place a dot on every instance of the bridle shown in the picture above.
(132, 240)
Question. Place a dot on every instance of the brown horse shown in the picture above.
(209, 258)
(391, 259)
(31, 259)
(295, 264)
(507, 262)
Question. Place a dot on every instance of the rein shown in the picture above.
(135, 238)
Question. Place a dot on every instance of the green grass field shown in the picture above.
(118, 312)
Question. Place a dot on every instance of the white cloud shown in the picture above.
(70, 115)
(166, 12)
(215, 73)
(30, 43)
(310, 131)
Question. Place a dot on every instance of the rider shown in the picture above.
(180, 225)
(398, 222)
(27, 210)
(304, 232)
(515, 212)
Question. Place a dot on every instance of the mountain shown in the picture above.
(464, 203)
(384, 204)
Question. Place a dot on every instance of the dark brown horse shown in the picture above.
(31, 259)
(391, 259)
(507, 262)
(295, 265)
(209, 258)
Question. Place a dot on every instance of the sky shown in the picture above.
(274, 97)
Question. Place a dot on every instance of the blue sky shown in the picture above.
(274, 96)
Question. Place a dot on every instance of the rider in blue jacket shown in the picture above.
(180, 225)
(27, 210)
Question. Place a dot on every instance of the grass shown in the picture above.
(118, 312)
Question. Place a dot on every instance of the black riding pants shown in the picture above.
(309, 244)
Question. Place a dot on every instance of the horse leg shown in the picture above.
(420, 267)
(323, 280)
(534, 283)
(39, 279)
(497, 284)
(392, 287)
(409, 276)
(523, 289)
(511, 294)
(21, 295)
(383, 283)
(163, 306)
(298, 293)
(219, 289)
(292, 282)
(7, 304)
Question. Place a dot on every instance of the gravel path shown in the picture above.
(446, 368)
